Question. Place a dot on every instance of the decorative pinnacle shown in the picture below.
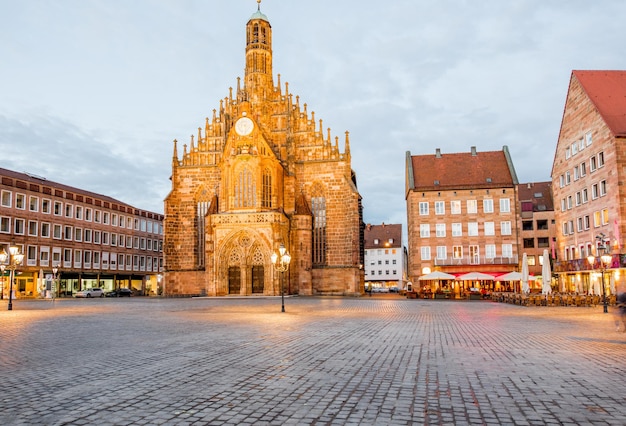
(259, 5)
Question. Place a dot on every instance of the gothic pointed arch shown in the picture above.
(202, 198)
(318, 208)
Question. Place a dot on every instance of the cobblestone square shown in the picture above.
(335, 361)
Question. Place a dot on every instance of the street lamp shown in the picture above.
(14, 258)
(55, 286)
(605, 262)
(281, 264)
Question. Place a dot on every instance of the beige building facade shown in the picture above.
(91, 239)
(462, 214)
(262, 173)
(588, 173)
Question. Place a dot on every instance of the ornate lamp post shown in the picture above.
(605, 262)
(15, 259)
(281, 264)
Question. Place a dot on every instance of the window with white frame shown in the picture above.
(588, 139)
(31, 257)
(564, 228)
(58, 208)
(5, 224)
(6, 198)
(488, 205)
(576, 173)
(600, 159)
(561, 181)
(570, 226)
(585, 195)
(457, 252)
(423, 206)
(44, 256)
(87, 235)
(45, 206)
(88, 214)
(78, 234)
(68, 233)
(505, 227)
(568, 178)
(472, 229)
(440, 229)
(583, 169)
(579, 224)
(33, 203)
(602, 188)
(442, 252)
(594, 191)
(505, 205)
(440, 208)
(20, 201)
(68, 210)
(570, 202)
(563, 205)
(472, 206)
(490, 228)
(455, 207)
(578, 199)
(79, 212)
(425, 252)
(32, 228)
(424, 230)
(105, 218)
(586, 222)
(490, 251)
(457, 230)
(605, 216)
(575, 148)
(18, 226)
(507, 250)
(67, 258)
(592, 164)
(97, 216)
(567, 153)
(45, 230)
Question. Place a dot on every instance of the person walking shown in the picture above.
(620, 314)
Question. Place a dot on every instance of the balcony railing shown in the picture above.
(477, 260)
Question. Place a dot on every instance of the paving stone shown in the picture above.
(336, 361)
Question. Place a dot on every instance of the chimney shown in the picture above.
(473, 151)
(438, 153)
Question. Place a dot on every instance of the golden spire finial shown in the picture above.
(259, 5)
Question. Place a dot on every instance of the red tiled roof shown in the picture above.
(383, 233)
(488, 169)
(527, 192)
(607, 90)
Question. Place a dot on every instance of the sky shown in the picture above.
(93, 92)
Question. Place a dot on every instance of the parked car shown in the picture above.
(393, 289)
(120, 292)
(90, 292)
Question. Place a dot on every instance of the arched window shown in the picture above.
(318, 205)
(266, 194)
(245, 189)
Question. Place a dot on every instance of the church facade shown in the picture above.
(261, 174)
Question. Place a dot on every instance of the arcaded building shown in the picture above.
(261, 173)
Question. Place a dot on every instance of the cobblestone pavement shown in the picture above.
(325, 361)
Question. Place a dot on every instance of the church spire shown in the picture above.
(258, 72)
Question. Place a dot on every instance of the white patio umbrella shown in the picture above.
(510, 276)
(437, 275)
(546, 274)
(474, 276)
(597, 288)
(612, 284)
(525, 286)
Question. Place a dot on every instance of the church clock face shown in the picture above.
(244, 126)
